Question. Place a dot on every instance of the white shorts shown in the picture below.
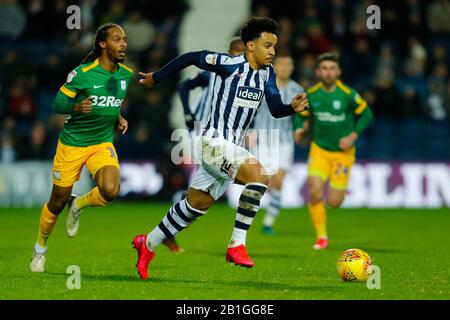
(275, 158)
(221, 160)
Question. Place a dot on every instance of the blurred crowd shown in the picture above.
(38, 51)
(401, 69)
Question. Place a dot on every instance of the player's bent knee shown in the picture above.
(200, 204)
(58, 200)
(57, 204)
(316, 195)
(109, 191)
(334, 203)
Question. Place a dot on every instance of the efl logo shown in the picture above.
(248, 97)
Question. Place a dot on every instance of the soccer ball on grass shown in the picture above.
(353, 265)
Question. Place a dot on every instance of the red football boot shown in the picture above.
(239, 256)
(321, 243)
(144, 255)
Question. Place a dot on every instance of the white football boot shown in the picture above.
(37, 263)
(73, 217)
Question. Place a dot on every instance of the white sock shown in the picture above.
(39, 249)
(274, 208)
(238, 237)
(268, 220)
(155, 238)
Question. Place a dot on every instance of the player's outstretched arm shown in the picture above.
(205, 60)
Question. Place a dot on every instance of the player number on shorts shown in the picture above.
(227, 168)
(341, 169)
(113, 154)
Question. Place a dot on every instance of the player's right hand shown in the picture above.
(298, 134)
(300, 102)
(84, 106)
(147, 80)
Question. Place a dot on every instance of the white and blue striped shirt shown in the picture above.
(264, 120)
(201, 107)
(238, 92)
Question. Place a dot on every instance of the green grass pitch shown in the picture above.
(410, 246)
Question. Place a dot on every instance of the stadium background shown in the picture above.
(401, 70)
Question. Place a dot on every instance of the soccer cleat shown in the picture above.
(73, 217)
(239, 256)
(173, 245)
(37, 263)
(321, 243)
(144, 255)
(267, 230)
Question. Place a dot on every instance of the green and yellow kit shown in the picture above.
(86, 138)
(333, 115)
(107, 91)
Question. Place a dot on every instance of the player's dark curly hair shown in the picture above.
(255, 26)
(100, 35)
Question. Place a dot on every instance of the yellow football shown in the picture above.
(353, 265)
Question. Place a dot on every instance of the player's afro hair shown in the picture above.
(255, 26)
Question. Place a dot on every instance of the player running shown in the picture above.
(92, 96)
(275, 143)
(338, 115)
(199, 112)
(241, 83)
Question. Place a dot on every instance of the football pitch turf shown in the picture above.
(410, 246)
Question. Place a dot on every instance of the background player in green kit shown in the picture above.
(92, 96)
(338, 115)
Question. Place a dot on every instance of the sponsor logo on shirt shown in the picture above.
(329, 117)
(248, 97)
(336, 104)
(106, 101)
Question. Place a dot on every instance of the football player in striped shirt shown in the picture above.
(338, 115)
(200, 110)
(275, 141)
(240, 85)
(92, 97)
(199, 113)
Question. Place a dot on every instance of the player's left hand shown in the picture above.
(300, 102)
(347, 142)
(147, 80)
(122, 124)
